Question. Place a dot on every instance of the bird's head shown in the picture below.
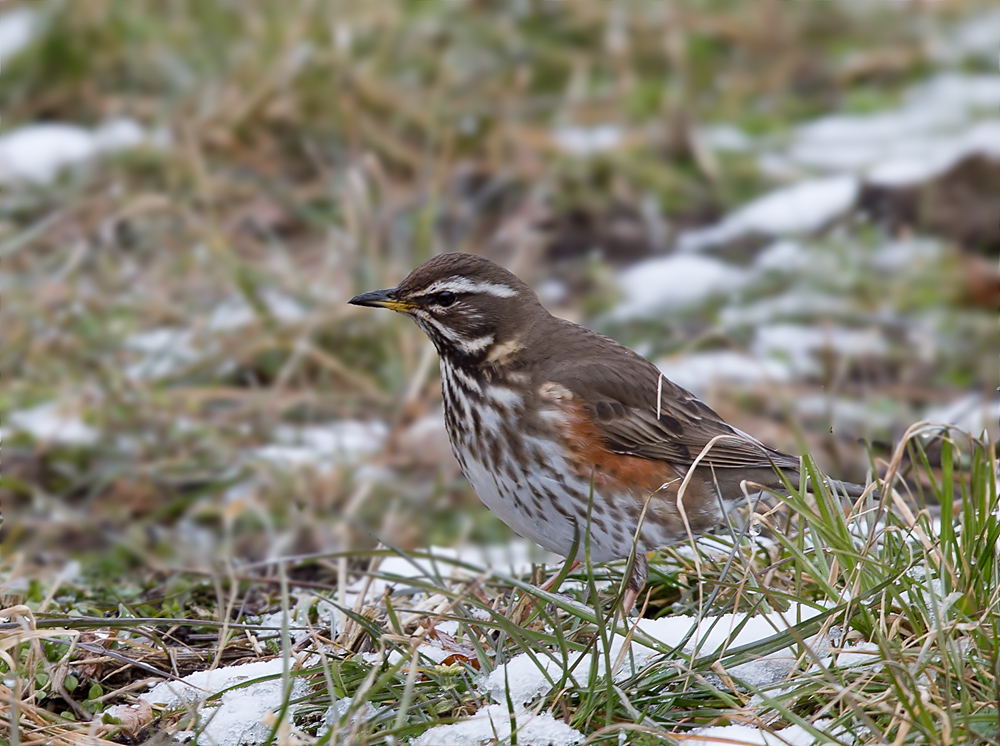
(470, 307)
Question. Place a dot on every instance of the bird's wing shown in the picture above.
(640, 412)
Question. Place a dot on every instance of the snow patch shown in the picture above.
(674, 282)
(17, 31)
(699, 371)
(428, 651)
(38, 153)
(977, 37)
(843, 415)
(783, 256)
(796, 303)
(800, 345)
(236, 719)
(726, 137)
(934, 128)
(974, 413)
(936, 158)
(737, 735)
(492, 724)
(323, 445)
(517, 558)
(584, 141)
(167, 351)
(526, 680)
(339, 709)
(799, 209)
(53, 423)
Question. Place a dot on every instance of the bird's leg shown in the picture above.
(636, 582)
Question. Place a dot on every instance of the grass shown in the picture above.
(319, 151)
(918, 589)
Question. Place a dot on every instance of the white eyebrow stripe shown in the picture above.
(465, 285)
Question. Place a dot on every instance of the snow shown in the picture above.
(726, 137)
(936, 158)
(977, 37)
(800, 344)
(865, 654)
(167, 350)
(17, 30)
(902, 254)
(523, 679)
(492, 724)
(672, 283)
(339, 709)
(697, 372)
(516, 557)
(584, 141)
(793, 735)
(37, 153)
(843, 415)
(973, 413)
(298, 621)
(428, 651)
(526, 679)
(323, 445)
(793, 210)
(237, 719)
(54, 423)
(939, 123)
(236, 313)
(783, 256)
(797, 302)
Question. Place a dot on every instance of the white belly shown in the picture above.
(523, 476)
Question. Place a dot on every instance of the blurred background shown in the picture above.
(792, 208)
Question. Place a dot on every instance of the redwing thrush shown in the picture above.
(551, 421)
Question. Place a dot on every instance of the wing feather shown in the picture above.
(622, 400)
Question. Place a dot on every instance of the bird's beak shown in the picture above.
(381, 299)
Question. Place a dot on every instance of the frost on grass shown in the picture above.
(494, 724)
(236, 719)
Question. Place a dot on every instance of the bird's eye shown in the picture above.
(445, 298)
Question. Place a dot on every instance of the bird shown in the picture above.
(566, 434)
